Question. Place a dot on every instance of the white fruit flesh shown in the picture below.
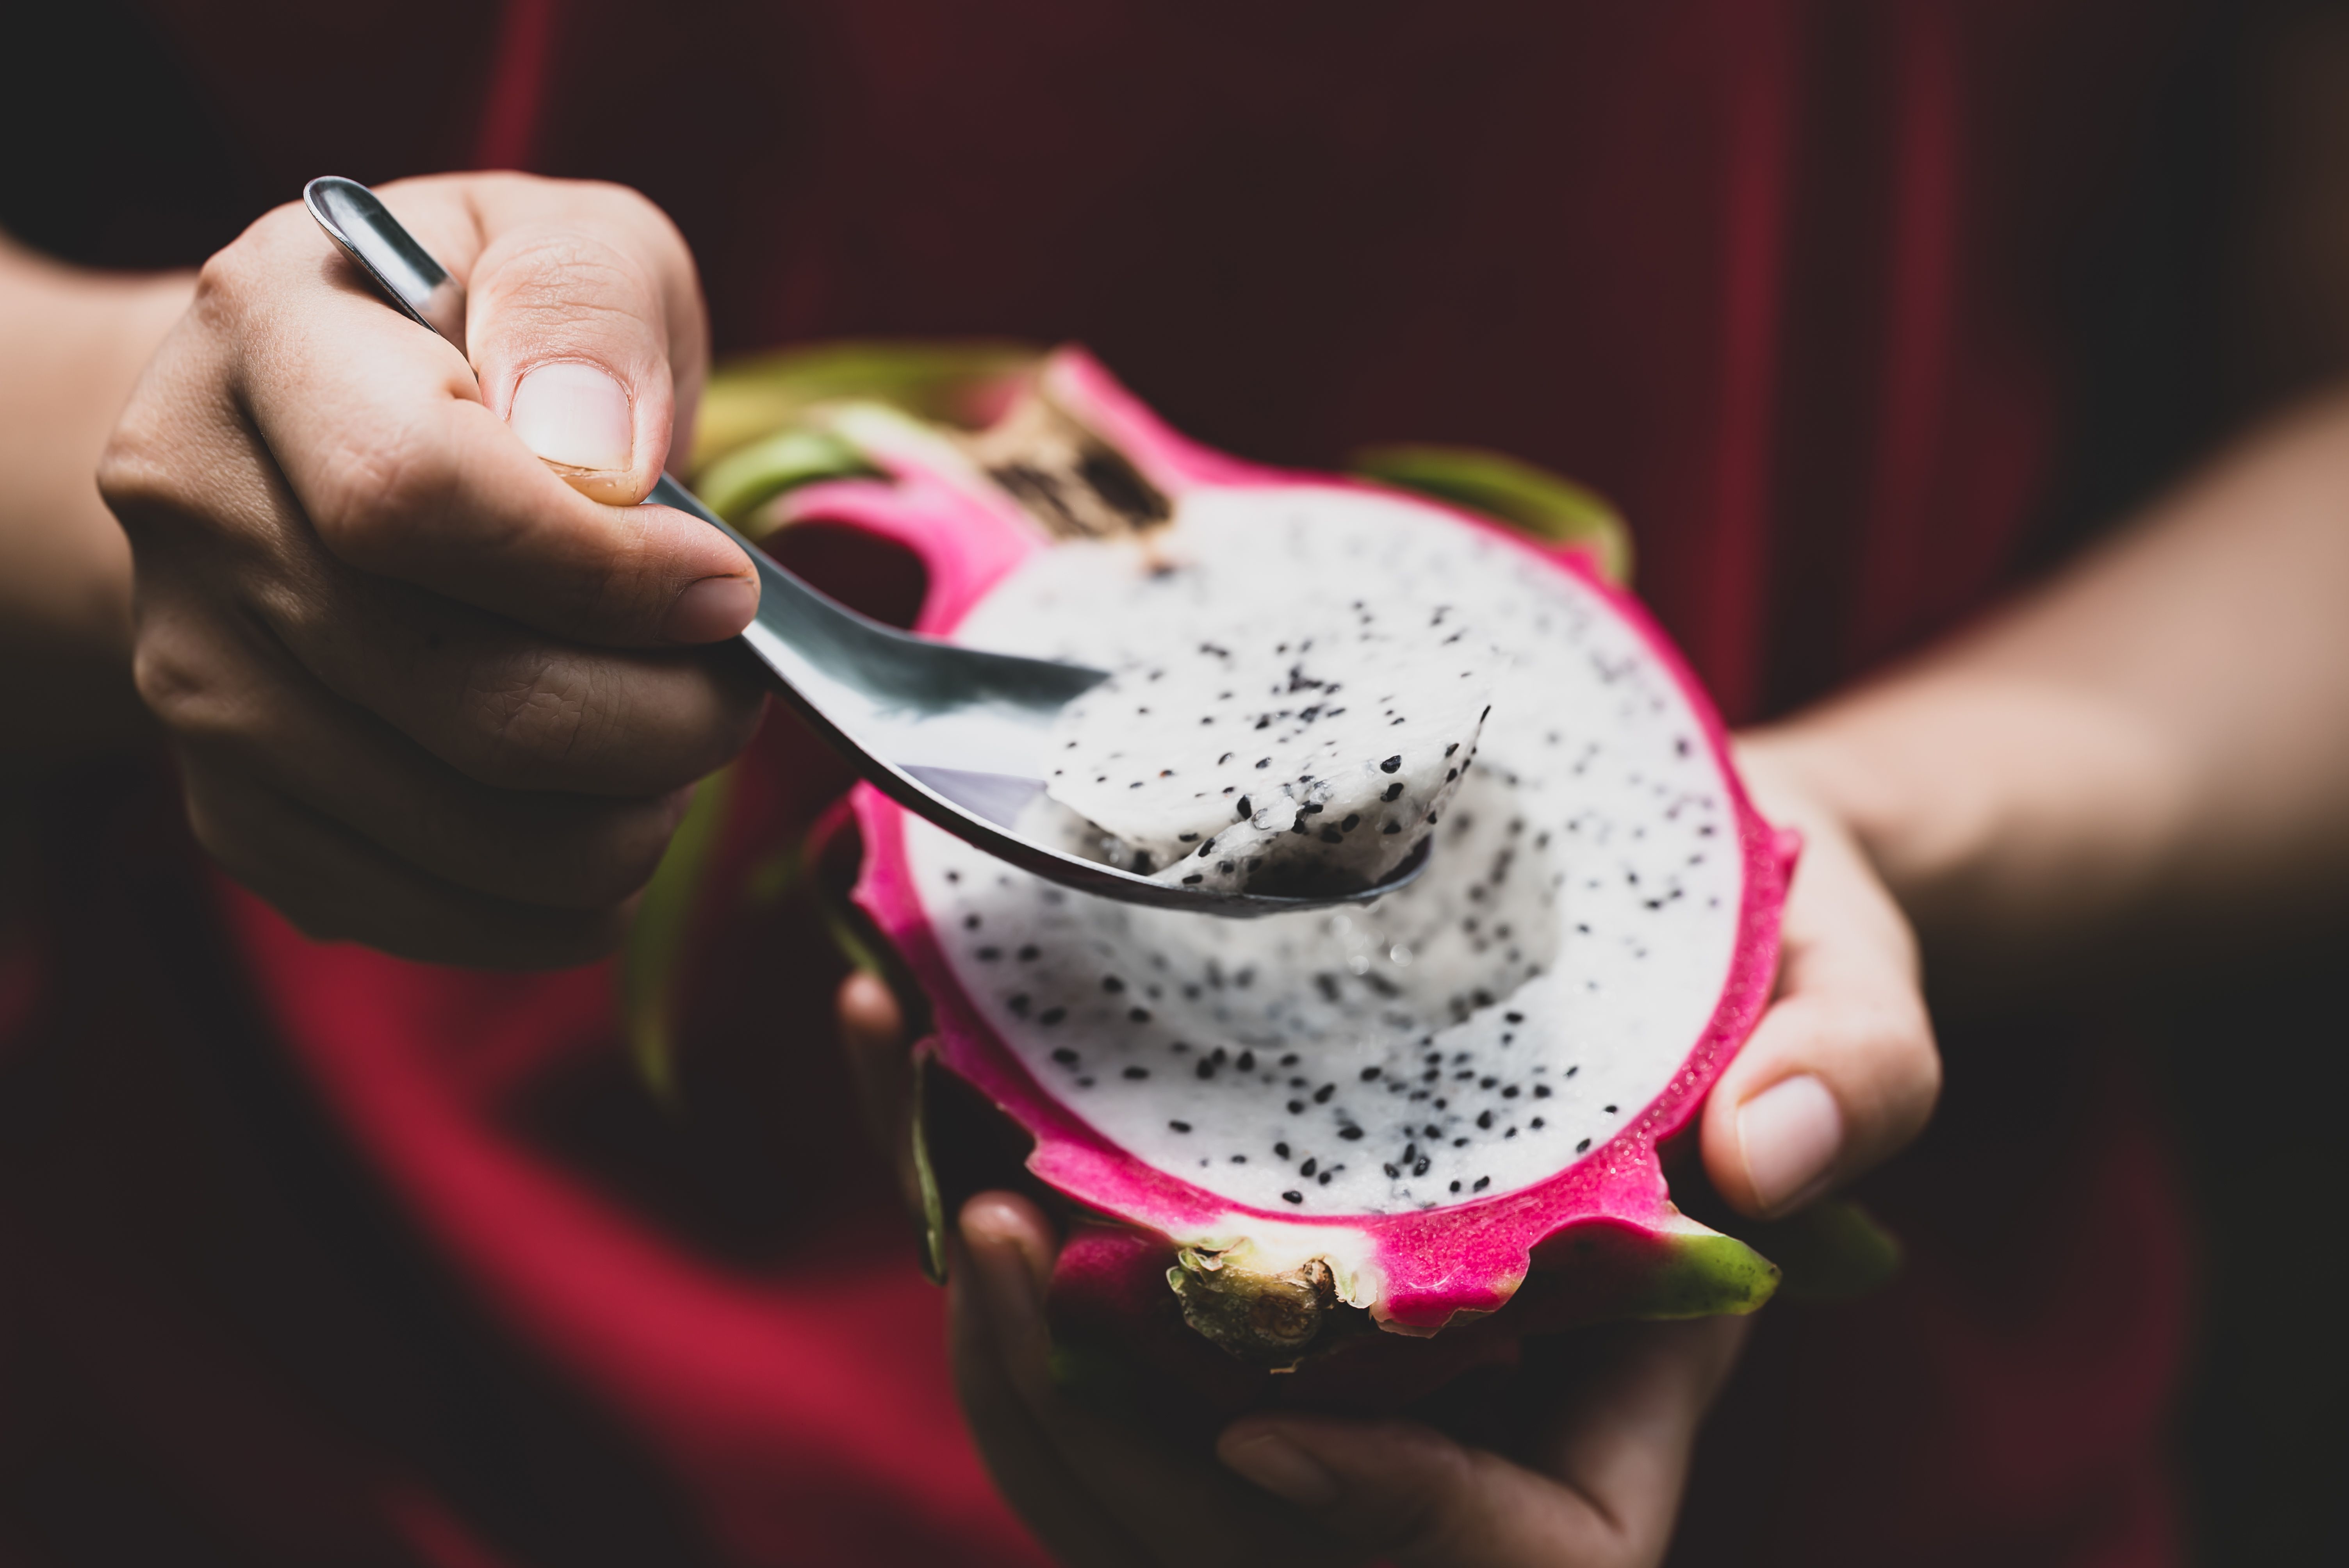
(1481, 1030)
(1318, 753)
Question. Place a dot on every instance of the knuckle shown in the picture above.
(616, 857)
(366, 502)
(247, 268)
(136, 478)
(532, 717)
(185, 689)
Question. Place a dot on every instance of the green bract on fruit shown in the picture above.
(1369, 1147)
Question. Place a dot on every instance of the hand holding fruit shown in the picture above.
(1607, 1416)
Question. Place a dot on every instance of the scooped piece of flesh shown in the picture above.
(1396, 1117)
(1316, 758)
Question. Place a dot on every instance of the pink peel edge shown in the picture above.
(1469, 1257)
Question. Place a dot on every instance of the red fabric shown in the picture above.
(315, 1256)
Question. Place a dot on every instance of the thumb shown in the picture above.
(582, 319)
(1601, 1486)
(1842, 1071)
(585, 324)
(1411, 1494)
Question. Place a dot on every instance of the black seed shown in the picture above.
(1455, 1186)
(1432, 1130)
(1296, 1108)
(1331, 835)
(1325, 1177)
(1065, 1057)
(1572, 1071)
(1392, 1171)
(1353, 819)
(1281, 1149)
(1029, 953)
(1187, 838)
(1019, 1004)
(1419, 1167)
(1112, 985)
(1322, 1096)
(1137, 1074)
(1310, 1167)
(1264, 762)
(1180, 1126)
(1370, 1073)
(1486, 1083)
(1541, 1091)
(1483, 1182)
(1391, 763)
(1510, 1092)
(1394, 791)
(1350, 1133)
(1392, 828)
(1194, 879)
(1138, 1014)
(989, 955)
(1206, 1067)
(1247, 1063)
(1582, 1147)
(1289, 1061)
(1610, 1111)
(1455, 745)
(1540, 1123)
(970, 922)
(1294, 1196)
(1223, 865)
(1242, 806)
(1051, 1014)
(1513, 1018)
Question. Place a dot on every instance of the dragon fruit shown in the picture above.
(1274, 1138)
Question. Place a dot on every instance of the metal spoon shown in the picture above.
(953, 734)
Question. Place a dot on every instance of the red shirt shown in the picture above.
(308, 1254)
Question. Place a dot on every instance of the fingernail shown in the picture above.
(1790, 1134)
(1282, 1468)
(710, 610)
(574, 415)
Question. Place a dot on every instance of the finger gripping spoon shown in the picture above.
(955, 735)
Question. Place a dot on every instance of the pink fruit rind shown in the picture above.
(1433, 1264)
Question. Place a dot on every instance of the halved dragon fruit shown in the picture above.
(1272, 1136)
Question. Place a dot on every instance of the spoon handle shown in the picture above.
(403, 270)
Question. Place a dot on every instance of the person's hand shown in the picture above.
(424, 693)
(1594, 1481)
(1841, 1072)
